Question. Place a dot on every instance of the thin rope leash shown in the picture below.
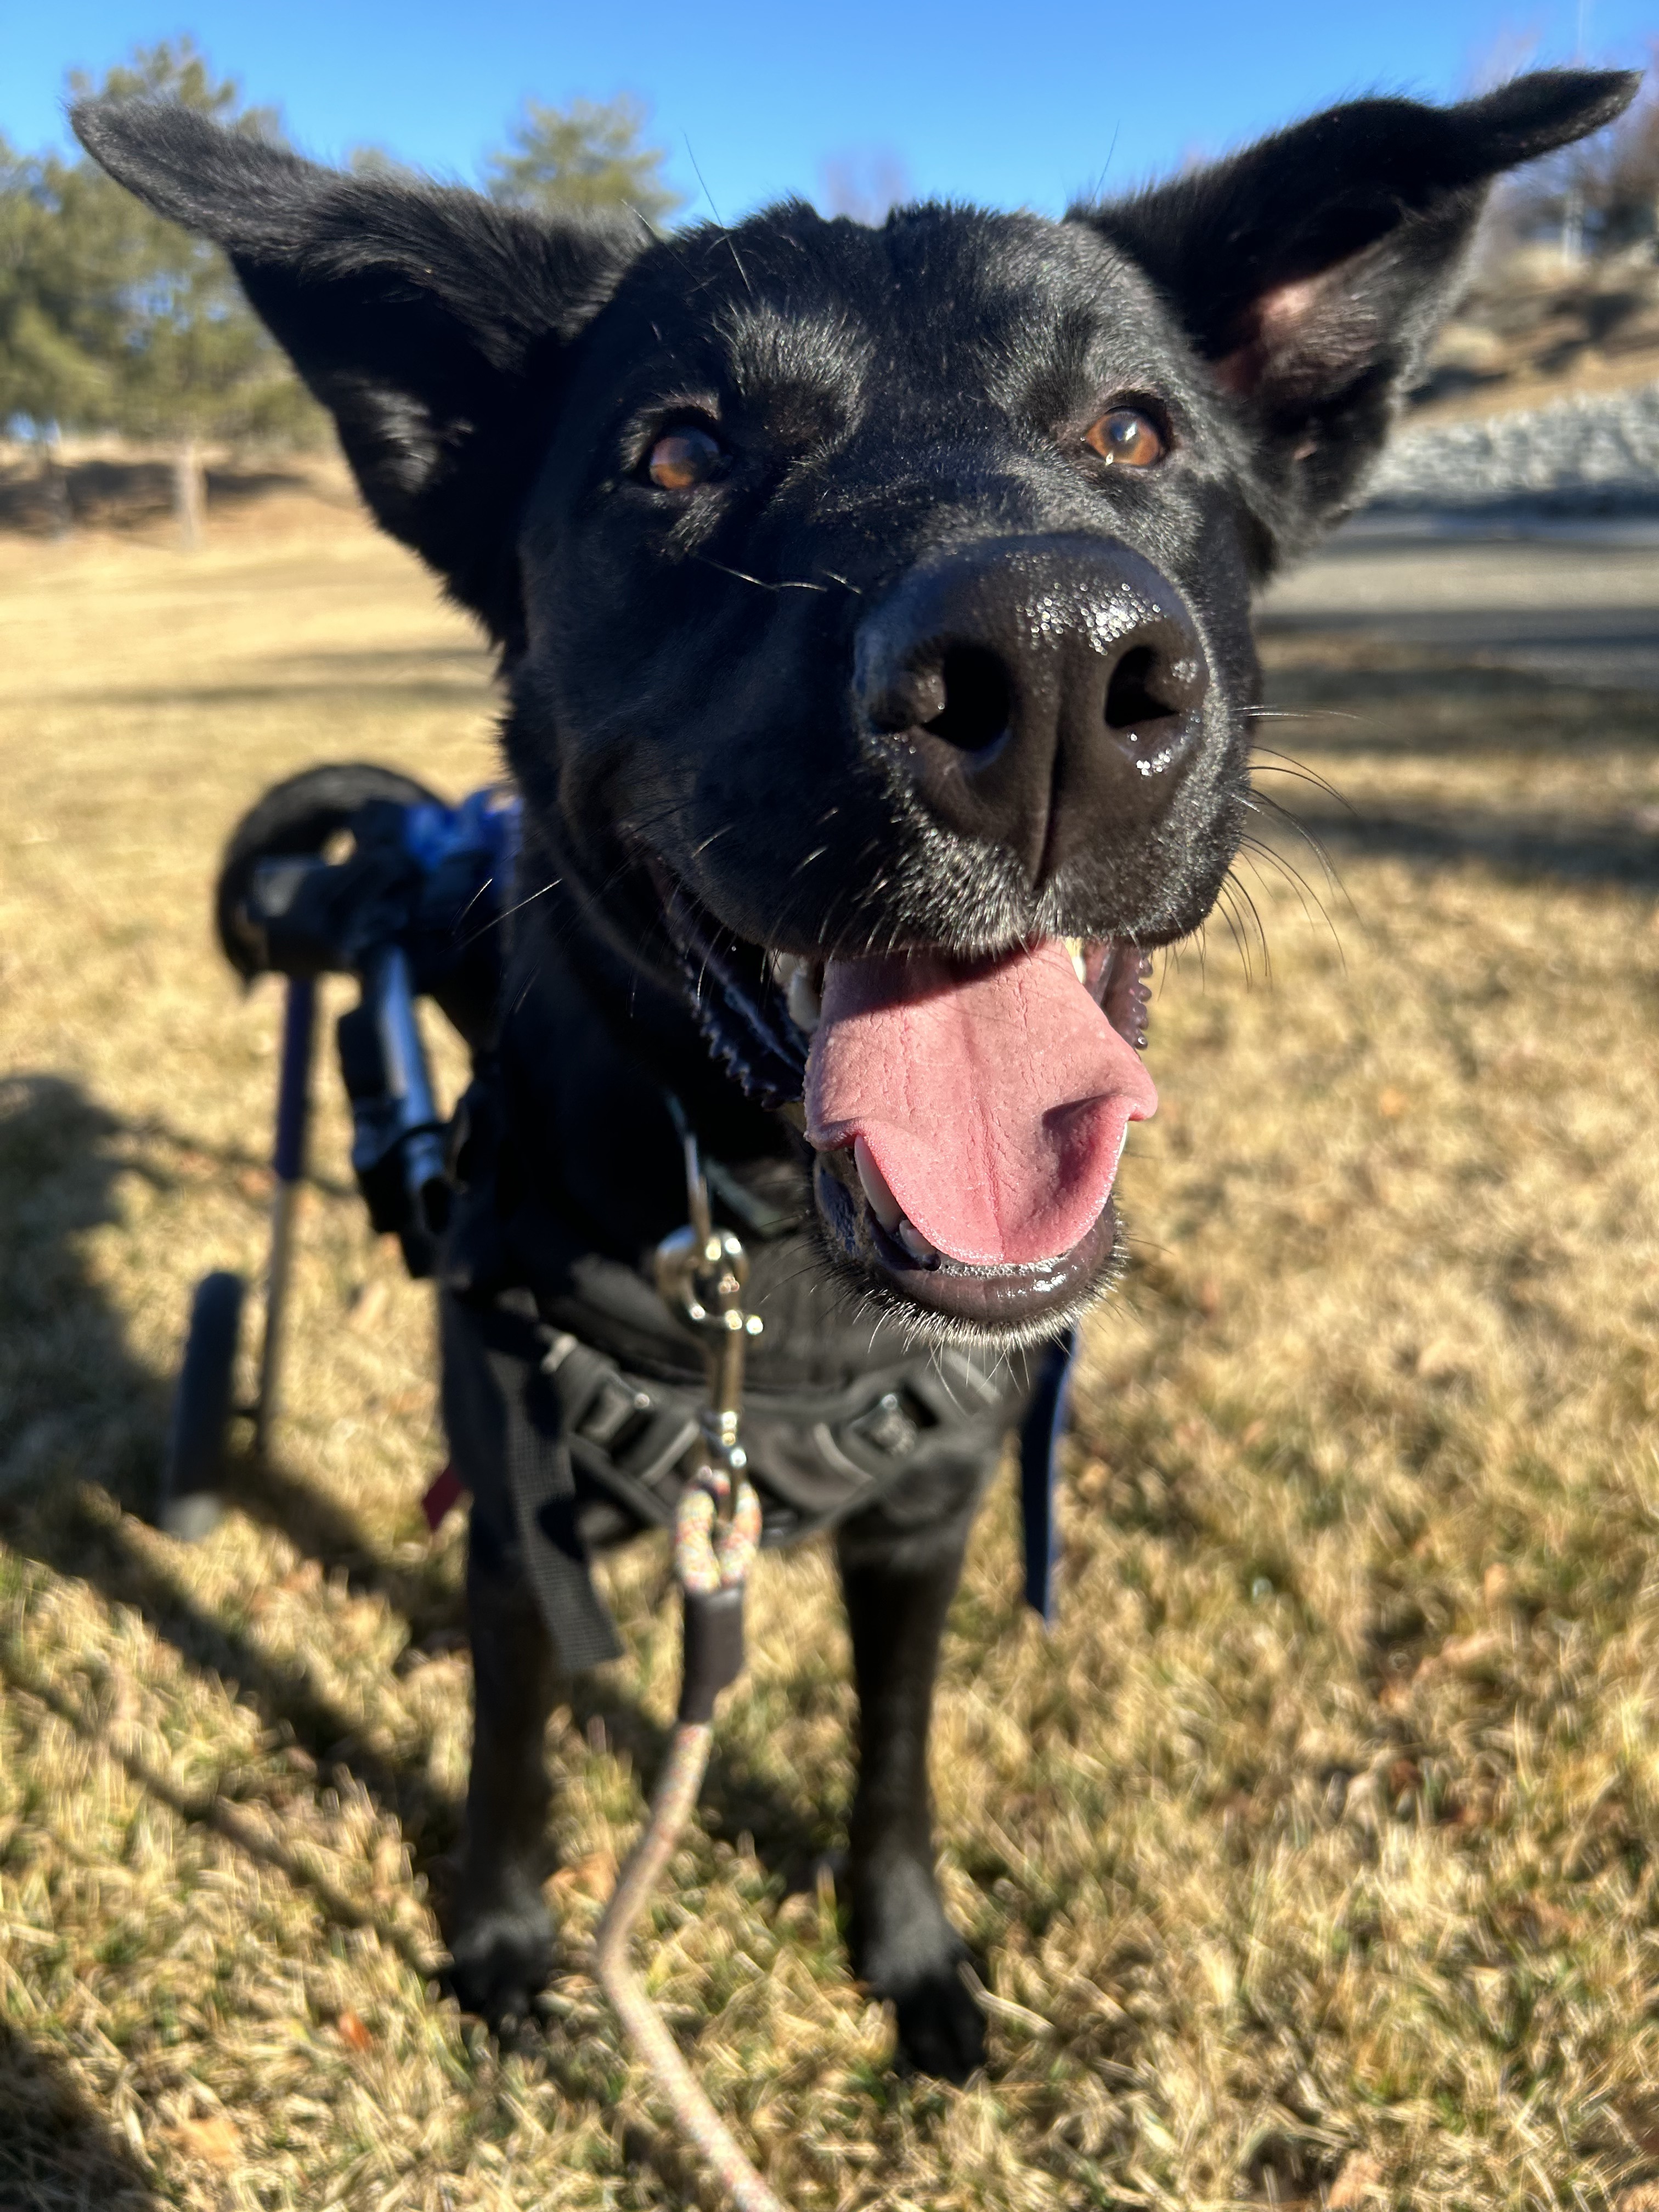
(701, 1272)
(704, 1569)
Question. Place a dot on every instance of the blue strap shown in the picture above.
(486, 821)
(293, 1086)
(1039, 1458)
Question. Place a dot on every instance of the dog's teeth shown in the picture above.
(916, 1245)
(878, 1194)
(1074, 946)
(793, 977)
(805, 1007)
(882, 1202)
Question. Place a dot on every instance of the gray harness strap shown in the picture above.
(628, 1436)
(568, 1434)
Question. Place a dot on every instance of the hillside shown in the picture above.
(1531, 331)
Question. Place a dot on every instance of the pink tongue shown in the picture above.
(993, 1095)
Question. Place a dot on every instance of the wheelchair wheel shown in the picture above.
(295, 819)
(193, 1473)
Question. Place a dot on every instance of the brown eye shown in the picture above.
(1126, 437)
(682, 459)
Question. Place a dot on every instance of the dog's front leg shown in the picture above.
(898, 1583)
(502, 1941)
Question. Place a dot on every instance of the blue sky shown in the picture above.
(1027, 102)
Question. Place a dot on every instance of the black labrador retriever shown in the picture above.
(874, 606)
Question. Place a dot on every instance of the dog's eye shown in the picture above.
(1127, 438)
(682, 459)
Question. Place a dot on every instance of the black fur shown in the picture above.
(723, 701)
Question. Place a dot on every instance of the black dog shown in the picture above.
(873, 605)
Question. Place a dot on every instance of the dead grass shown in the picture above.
(1530, 331)
(1311, 1857)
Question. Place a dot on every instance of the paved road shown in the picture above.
(1578, 603)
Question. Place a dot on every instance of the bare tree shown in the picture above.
(1599, 197)
(863, 182)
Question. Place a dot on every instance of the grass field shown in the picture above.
(1313, 1856)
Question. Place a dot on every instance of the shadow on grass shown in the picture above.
(1384, 703)
(413, 676)
(345, 690)
(1362, 693)
(82, 1426)
(56, 2151)
(1619, 852)
(194, 1150)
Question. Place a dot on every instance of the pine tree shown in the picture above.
(584, 156)
(113, 320)
(58, 337)
(191, 361)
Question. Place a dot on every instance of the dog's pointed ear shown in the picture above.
(1312, 270)
(430, 321)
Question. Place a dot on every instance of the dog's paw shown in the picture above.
(907, 1951)
(501, 1960)
(941, 2029)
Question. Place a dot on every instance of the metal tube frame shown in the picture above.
(287, 1167)
(390, 990)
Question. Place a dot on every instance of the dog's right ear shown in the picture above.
(429, 320)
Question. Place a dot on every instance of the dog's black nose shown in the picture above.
(1044, 692)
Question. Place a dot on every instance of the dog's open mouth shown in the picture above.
(967, 1115)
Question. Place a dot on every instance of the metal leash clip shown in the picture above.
(701, 1272)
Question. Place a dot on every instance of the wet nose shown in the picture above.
(1042, 693)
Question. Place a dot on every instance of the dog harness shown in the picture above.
(571, 1408)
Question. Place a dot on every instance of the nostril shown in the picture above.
(1135, 691)
(978, 699)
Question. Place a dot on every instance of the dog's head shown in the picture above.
(874, 602)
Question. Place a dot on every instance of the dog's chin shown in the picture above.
(943, 1299)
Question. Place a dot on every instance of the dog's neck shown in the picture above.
(593, 1047)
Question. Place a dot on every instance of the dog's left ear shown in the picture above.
(431, 322)
(1312, 270)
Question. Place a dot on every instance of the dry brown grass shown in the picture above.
(1312, 1856)
(1530, 331)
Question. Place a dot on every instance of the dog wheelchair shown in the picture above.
(357, 870)
(348, 869)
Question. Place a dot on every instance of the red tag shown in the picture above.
(444, 1492)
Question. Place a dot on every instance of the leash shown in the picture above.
(701, 1272)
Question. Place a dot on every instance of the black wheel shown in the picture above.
(295, 819)
(192, 1475)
